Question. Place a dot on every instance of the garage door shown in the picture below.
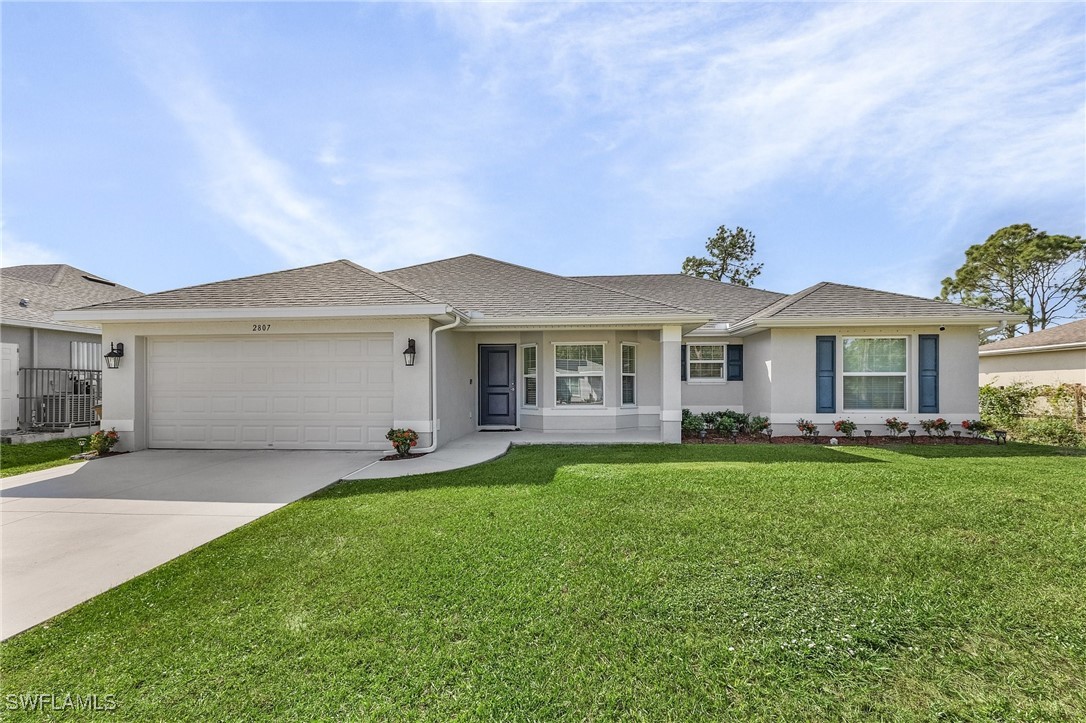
(286, 392)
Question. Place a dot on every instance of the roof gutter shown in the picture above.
(751, 325)
(1030, 349)
(240, 313)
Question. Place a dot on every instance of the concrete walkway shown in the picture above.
(69, 533)
(482, 447)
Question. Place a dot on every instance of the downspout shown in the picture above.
(433, 386)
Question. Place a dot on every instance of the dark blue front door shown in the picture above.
(497, 384)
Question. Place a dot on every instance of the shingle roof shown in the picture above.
(53, 287)
(728, 303)
(1073, 332)
(337, 283)
(503, 290)
(827, 299)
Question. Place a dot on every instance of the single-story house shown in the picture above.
(331, 356)
(67, 353)
(1056, 355)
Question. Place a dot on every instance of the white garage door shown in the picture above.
(286, 392)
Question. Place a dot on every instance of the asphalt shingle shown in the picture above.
(503, 290)
(1073, 332)
(727, 303)
(53, 287)
(827, 299)
(337, 283)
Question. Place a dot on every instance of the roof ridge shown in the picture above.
(792, 299)
(634, 296)
(683, 276)
(574, 279)
(397, 284)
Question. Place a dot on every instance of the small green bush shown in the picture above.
(1048, 430)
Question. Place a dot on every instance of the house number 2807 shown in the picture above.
(261, 327)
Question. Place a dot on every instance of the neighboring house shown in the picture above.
(1056, 355)
(331, 356)
(68, 353)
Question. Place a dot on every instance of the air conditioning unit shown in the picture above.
(61, 410)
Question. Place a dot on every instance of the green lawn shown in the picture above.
(19, 458)
(695, 582)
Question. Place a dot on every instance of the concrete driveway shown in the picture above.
(69, 533)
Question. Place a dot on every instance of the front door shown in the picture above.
(497, 384)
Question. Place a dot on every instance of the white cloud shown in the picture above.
(17, 252)
(952, 103)
(414, 210)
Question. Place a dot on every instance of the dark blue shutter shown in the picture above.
(735, 362)
(826, 374)
(929, 373)
(682, 358)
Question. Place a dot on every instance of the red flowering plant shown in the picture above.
(845, 427)
(403, 440)
(975, 427)
(103, 441)
(807, 427)
(896, 426)
(938, 427)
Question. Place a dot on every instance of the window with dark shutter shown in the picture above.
(735, 362)
(682, 358)
(825, 367)
(929, 374)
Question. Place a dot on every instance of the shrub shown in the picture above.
(692, 425)
(758, 425)
(807, 427)
(403, 440)
(937, 426)
(975, 427)
(896, 426)
(742, 421)
(726, 425)
(1049, 430)
(1003, 406)
(845, 427)
(103, 441)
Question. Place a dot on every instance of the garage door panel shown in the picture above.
(321, 392)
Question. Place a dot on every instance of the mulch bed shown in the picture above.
(396, 457)
(857, 441)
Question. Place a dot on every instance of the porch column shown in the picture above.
(671, 402)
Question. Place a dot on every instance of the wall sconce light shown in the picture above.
(113, 358)
(409, 353)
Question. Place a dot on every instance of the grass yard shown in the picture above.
(693, 582)
(19, 458)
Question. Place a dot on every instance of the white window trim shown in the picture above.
(523, 376)
(554, 373)
(622, 375)
(842, 374)
(723, 379)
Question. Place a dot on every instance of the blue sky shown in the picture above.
(169, 145)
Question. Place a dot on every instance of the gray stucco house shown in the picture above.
(331, 356)
(31, 339)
